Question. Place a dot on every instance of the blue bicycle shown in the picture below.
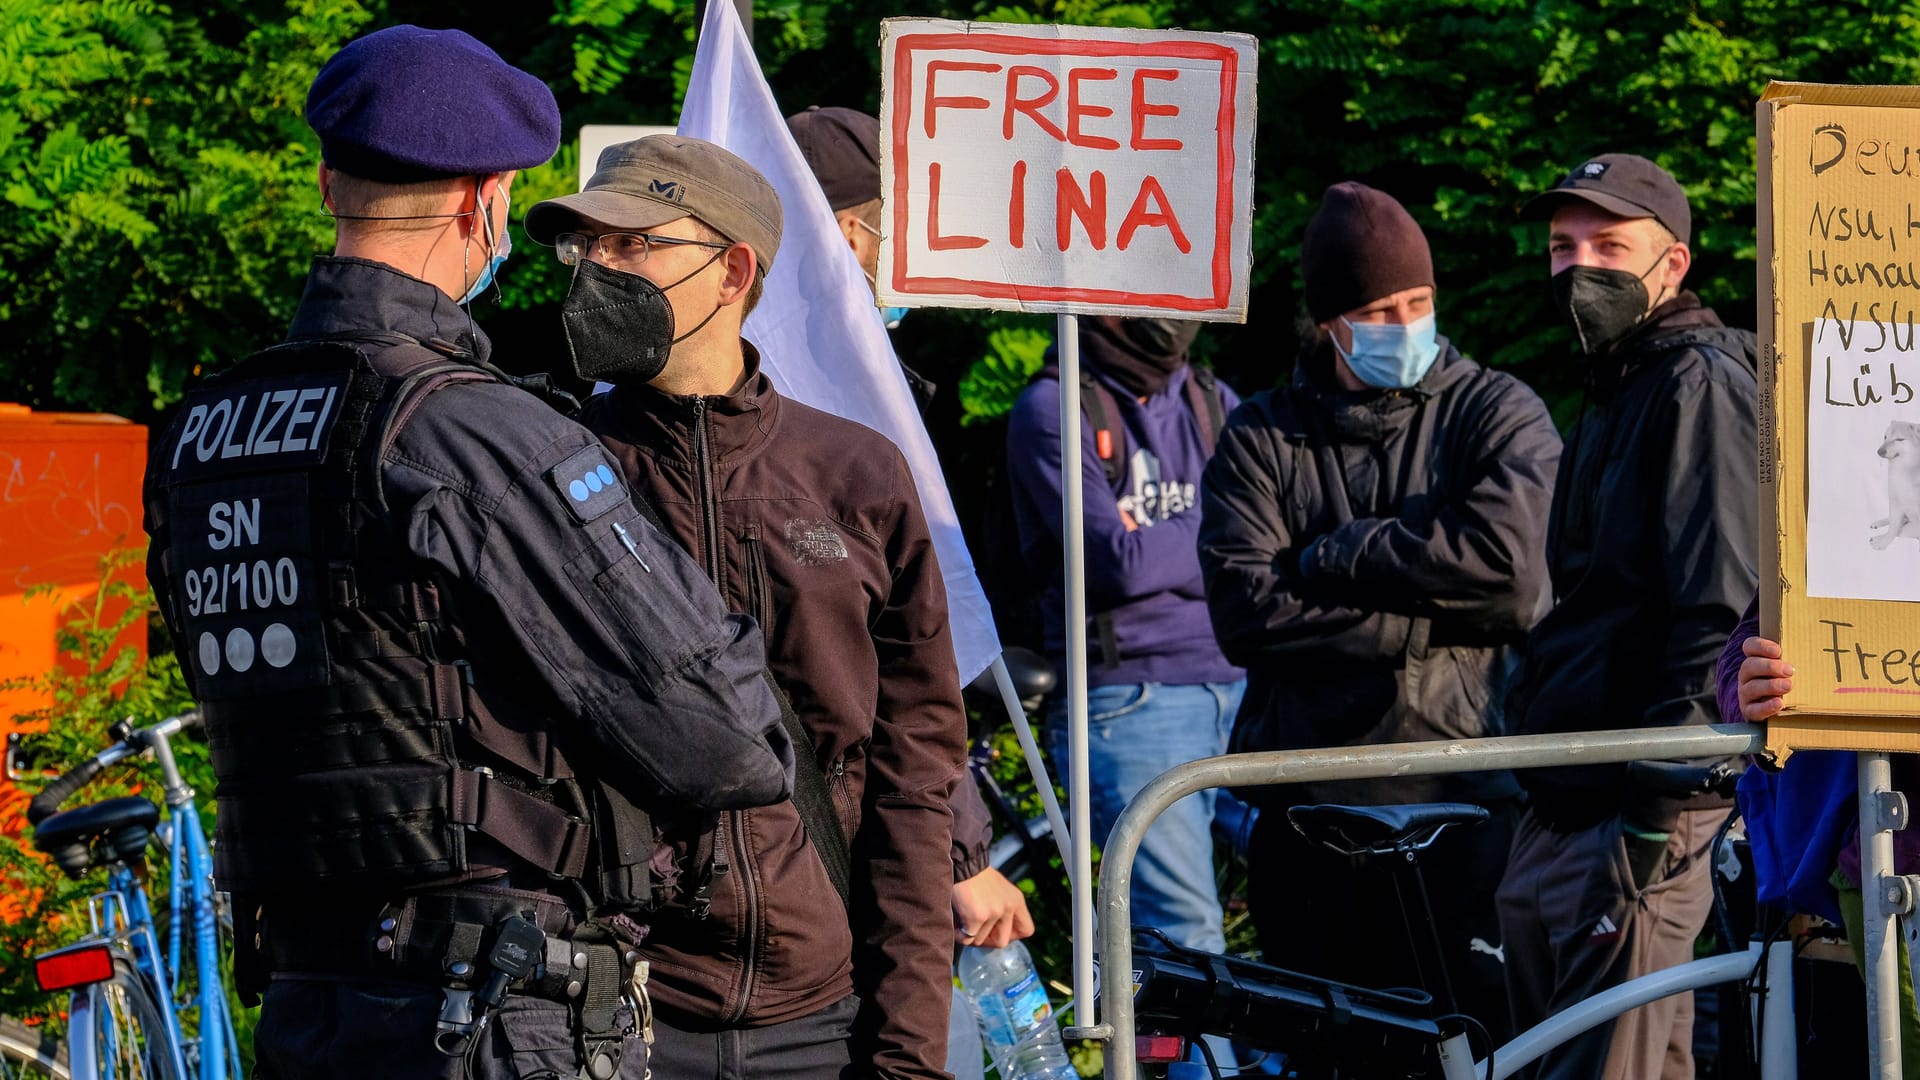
(134, 1012)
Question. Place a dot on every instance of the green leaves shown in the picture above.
(1014, 356)
(156, 190)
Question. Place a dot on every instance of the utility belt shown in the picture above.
(476, 945)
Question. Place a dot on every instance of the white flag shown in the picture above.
(820, 336)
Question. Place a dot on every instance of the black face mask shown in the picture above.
(1602, 306)
(619, 326)
(1165, 339)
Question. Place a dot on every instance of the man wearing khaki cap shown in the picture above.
(810, 524)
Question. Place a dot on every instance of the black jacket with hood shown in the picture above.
(1653, 546)
(1432, 505)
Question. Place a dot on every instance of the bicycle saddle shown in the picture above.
(126, 824)
(1380, 830)
(1032, 678)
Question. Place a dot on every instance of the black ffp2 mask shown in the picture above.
(619, 326)
(1602, 305)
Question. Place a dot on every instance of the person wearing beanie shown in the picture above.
(1373, 540)
(1654, 557)
(812, 938)
(470, 668)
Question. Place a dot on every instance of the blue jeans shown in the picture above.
(1135, 732)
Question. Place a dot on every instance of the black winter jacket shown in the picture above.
(1653, 547)
(1432, 504)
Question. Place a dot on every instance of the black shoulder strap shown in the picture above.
(1203, 397)
(1109, 440)
(815, 802)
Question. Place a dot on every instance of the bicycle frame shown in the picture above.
(1116, 1028)
(192, 890)
(123, 916)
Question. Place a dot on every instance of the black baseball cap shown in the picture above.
(842, 147)
(1624, 184)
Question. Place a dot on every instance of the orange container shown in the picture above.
(69, 495)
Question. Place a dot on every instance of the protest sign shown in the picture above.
(1839, 225)
(1066, 168)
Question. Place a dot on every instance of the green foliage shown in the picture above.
(1015, 355)
(1464, 110)
(158, 193)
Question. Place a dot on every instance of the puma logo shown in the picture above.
(1901, 448)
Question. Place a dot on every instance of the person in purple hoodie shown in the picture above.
(1373, 535)
(1160, 693)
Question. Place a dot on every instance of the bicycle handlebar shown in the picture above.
(51, 796)
(48, 801)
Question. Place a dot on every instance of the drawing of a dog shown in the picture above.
(1901, 448)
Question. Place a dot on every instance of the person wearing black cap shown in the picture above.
(1653, 550)
(842, 148)
(1373, 539)
(810, 938)
(451, 673)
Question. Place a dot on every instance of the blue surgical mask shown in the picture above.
(892, 316)
(501, 250)
(1392, 356)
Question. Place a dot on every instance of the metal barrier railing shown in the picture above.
(1114, 1023)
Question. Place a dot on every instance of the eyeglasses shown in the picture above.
(620, 250)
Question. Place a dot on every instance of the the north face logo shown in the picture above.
(668, 189)
(1593, 170)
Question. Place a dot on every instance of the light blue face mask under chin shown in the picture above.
(1392, 356)
(500, 253)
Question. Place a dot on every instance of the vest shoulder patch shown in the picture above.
(588, 483)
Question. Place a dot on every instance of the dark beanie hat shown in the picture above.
(842, 147)
(406, 104)
(1360, 246)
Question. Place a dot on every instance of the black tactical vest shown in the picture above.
(354, 746)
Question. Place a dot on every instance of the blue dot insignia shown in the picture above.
(588, 484)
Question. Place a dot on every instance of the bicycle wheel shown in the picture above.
(30, 1053)
(116, 1031)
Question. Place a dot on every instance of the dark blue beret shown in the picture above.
(405, 104)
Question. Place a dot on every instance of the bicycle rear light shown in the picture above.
(76, 965)
(1158, 1049)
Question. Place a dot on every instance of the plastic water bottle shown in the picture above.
(1015, 1016)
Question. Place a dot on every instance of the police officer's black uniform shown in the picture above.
(434, 641)
(450, 672)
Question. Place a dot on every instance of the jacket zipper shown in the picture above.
(759, 591)
(840, 796)
(709, 507)
(733, 823)
(750, 915)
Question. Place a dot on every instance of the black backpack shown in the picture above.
(1014, 588)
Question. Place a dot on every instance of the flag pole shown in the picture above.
(1073, 533)
(1023, 731)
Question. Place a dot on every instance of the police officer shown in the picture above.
(451, 674)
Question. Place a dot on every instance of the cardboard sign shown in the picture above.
(597, 137)
(1066, 169)
(1839, 249)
